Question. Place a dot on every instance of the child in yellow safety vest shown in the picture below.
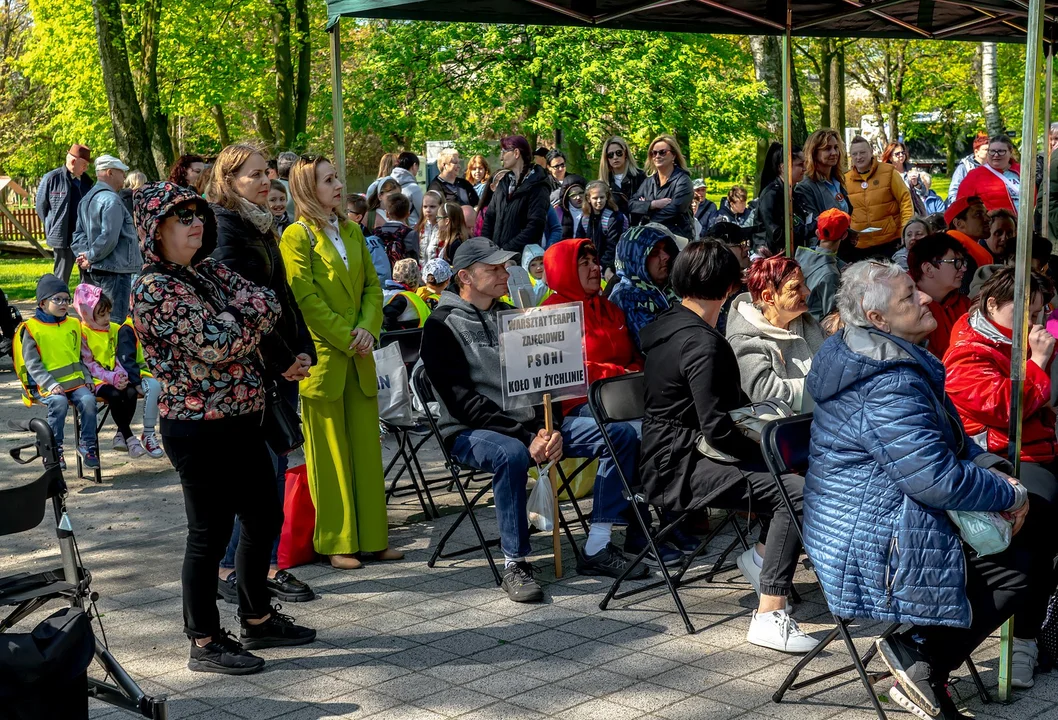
(436, 275)
(100, 340)
(48, 363)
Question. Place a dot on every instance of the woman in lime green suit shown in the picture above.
(330, 272)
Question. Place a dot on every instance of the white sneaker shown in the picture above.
(1023, 663)
(119, 442)
(151, 445)
(778, 631)
(748, 567)
(136, 449)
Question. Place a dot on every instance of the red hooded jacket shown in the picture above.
(607, 340)
(978, 383)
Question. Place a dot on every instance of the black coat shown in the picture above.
(771, 225)
(604, 239)
(692, 383)
(676, 216)
(255, 256)
(517, 214)
(622, 193)
(450, 195)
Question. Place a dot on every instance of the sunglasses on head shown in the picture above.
(661, 152)
(615, 154)
(186, 215)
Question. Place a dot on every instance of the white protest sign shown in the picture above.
(542, 351)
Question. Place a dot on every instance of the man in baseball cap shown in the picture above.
(461, 357)
(58, 195)
(820, 264)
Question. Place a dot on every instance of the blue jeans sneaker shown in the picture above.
(90, 456)
(635, 542)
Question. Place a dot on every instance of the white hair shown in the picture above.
(446, 155)
(866, 286)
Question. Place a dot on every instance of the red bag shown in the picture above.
(299, 521)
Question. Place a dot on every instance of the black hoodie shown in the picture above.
(692, 383)
(518, 212)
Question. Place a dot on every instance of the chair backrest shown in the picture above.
(618, 399)
(22, 507)
(424, 390)
(785, 444)
(410, 343)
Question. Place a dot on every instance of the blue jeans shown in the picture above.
(508, 460)
(118, 287)
(59, 403)
(289, 391)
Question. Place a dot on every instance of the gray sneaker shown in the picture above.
(610, 562)
(519, 584)
(911, 670)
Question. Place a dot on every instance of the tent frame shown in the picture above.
(1034, 14)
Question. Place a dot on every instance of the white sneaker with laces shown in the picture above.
(119, 442)
(778, 631)
(1023, 663)
(136, 449)
(151, 445)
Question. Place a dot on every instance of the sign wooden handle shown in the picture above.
(549, 425)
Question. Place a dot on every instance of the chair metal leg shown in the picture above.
(861, 670)
(425, 483)
(792, 677)
(467, 512)
(982, 691)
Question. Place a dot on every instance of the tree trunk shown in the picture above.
(217, 111)
(284, 74)
(825, 47)
(837, 90)
(990, 89)
(157, 122)
(304, 78)
(767, 62)
(264, 126)
(130, 130)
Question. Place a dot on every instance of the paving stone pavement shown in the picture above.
(402, 641)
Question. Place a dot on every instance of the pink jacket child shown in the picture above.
(99, 341)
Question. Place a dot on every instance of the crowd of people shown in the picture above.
(232, 287)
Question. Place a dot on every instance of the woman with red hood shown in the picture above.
(978, 382)
(574, 275)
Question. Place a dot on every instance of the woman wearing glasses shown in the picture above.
(978, 382)
(665, 196)
(201, 326)
(618, 169)
(998, 181)
(937, 264)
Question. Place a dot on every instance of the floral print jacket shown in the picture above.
(208, 366)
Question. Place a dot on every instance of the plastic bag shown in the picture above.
(581, 485)
(987, 533)
(541, 503)
(394, 393)
(299, 521)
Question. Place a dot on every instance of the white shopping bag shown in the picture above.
(541, 503)
(394, 394)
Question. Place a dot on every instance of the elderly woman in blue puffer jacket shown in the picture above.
(889, 457)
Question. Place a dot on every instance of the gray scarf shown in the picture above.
(261, 217)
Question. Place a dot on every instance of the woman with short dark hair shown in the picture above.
(517, 213)
(692, 384)
(998, 180)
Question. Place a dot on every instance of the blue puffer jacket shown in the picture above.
(887, 460)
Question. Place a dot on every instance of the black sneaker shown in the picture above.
(287, 588)
(223, 655)
(228, 590)
(610, 562)
(947, 707)
(635, 542)
(519, 583)
(278, 630)
(682, 541)
(911, 670)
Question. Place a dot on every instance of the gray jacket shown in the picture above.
(822, 272)
(461, 356)
(411, 190)
(816, 197)
(105, 232)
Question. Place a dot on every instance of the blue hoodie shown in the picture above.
(888, 458)
(636, 294)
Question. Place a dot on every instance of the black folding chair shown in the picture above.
(22, 509)
(410, 437)
(460, 473)
(785, 445)
(102, 418)
(620, 399)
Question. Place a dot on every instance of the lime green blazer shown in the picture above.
(335, 300)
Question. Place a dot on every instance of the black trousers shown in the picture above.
(1040, 533)
(224, 470)
(755, 491)
(122, 405)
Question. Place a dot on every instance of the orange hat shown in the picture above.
(958, 207)
(832, 224)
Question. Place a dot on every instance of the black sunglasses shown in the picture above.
(186, 215)
(659, 153)
(615, 154)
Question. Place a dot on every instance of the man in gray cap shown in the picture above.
(59, 193)
(461, 356)
(107, 247)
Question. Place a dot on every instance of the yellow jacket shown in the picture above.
(885, 203)
(335, 301)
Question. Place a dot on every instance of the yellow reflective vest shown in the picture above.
(144, 370)
(415, 304)
(103, 344)
(59, 345)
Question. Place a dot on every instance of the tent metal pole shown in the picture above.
(1045, 186)
(337, 107)
(787, 130)
(1026, 207)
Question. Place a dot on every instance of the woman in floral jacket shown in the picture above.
(200, 325)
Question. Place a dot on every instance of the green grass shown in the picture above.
(717, 189)
(19, 275)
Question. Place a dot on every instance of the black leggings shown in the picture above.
(122, 405)
(224, 469)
